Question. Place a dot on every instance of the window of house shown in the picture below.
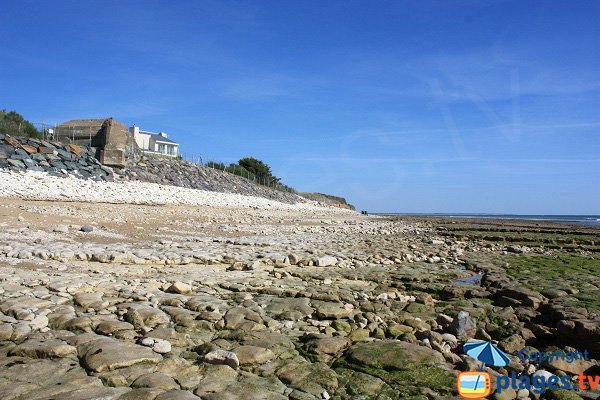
(161, 148)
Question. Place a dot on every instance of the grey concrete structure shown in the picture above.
(114, 144)
(84, 132)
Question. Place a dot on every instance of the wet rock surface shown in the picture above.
(158, 302)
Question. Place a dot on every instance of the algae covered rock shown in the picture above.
(354, 384)
(392, 354)
(406, 367)
(562, 394)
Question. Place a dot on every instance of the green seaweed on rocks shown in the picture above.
(540, 272)
(409, 369)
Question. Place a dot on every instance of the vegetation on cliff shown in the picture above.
(327, 198)
(254, 170)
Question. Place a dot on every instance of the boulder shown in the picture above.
(179, 288)
(464, 326)
(252, 355)
(326, 261)
(222, 357)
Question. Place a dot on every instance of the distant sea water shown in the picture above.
(569, 219)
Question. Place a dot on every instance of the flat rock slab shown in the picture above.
(177, 395)
(240, 390)
(44, 348)
(392, 354)
(310, 378)
(89, 299)
(252, 355)
(24, 378)
(155, 380)
(331, 345)
(97, 393)
(331, 310)
(110, 327)
(142, 394)
(284, 307)
(106, 354)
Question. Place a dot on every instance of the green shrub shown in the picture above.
(13, 123)
(254, 170)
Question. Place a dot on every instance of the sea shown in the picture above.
(593, 220)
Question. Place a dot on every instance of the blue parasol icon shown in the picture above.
(487, 353)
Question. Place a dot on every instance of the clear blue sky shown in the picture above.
(406, 106)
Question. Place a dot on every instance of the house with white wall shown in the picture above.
(155, 143)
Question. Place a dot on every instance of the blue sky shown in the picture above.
(405, 106)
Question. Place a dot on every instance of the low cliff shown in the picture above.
(328, 199)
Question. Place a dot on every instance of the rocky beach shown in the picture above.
(131, 290)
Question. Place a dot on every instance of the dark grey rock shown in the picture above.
(7, 149)
(29, 163)
(16, 163)
(65, 155)
(464, 326)
(58, 165)
(38, 157)
(87, 229)
(71, 165)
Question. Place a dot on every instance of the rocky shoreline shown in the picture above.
(225, 301)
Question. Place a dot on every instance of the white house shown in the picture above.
(154, 143)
